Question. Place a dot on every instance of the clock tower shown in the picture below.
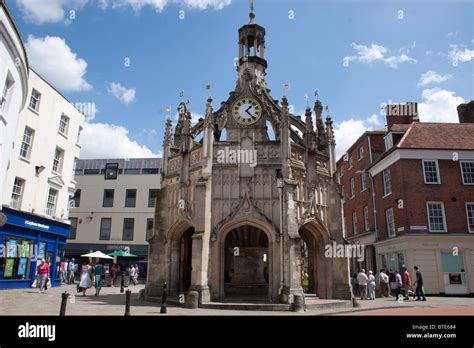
(248, 215)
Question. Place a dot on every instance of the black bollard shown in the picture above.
(163, 309)
(127, 302)
(64, 296)
(121, 284)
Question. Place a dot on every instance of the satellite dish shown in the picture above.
(3, 219)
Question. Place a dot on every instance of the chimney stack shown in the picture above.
(466, 112)
(401, 113)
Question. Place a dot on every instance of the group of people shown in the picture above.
(68, 270)
(366, 283)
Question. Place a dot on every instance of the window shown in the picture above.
(79, 135)
(341, 172)
(343, 192)
(130, 198)
(27, 143)
(152, 197)
(73, 230)
(366, 218)
(63, 125)
(17, 193)
(132, 171)
(128, 226)
(387, 182)
(7, 88)
(111, 171)
(363, 180)
(390, 222)
(354, 223)
(58, 160)
(105, 228)
(361, 152)
(77, 198)
(352, 188)
(431, 172)
(91, 171)
(150, 170)
(35, 100)
(436, 219)
(149, 229)
(470, 216)
(51, 203)
(467, 169)
(350, 162)
(108, 201)
(388, 142)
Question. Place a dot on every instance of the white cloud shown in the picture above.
(452, 34)
(50, 11)
(432, 77)
(377, 53)
(439, 105)
(159, 5)
(54, 60)
(126, 95)
(346, 133)
(101, 140)
(458, 54)
(374, 120)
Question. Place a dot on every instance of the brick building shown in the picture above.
(423, 182)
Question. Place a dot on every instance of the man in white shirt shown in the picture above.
(362, 279)
(383, 281)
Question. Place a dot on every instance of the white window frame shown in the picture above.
(51, 203)
(350, 162)
(63, 125)
(391, 232)
(366, 218)
(388, 140)
(7, 91)
(445, 227)
(437, 172)
(467, 216)
(361, 152)
(37, 100)
(462, 173)
(29, 144)
(354, 223)
(17, 193)
(363, 182)
(79, 135)
(384, 182)
(352, 188)
(58, 162)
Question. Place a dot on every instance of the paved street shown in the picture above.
(112, 302)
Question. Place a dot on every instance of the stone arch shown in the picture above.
(320, 268)
(180, 233)
(268, 230)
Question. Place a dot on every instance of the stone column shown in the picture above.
(199, 280)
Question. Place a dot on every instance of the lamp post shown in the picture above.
(280, 185)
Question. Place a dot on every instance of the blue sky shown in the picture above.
(358, 54)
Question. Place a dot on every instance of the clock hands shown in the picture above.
(247, 111)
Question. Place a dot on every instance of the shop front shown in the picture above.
(24, 239)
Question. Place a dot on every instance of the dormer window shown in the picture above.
(388, 141)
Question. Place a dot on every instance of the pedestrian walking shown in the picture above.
(63, 270)
(420, 293)
(399, 283)
(99, 272)
(86, 275)
(43, 275)
(113, 274)
(407, 282)
(362, 280)
(371, 286)
(355, 285)
(383, 281)
(71, 269)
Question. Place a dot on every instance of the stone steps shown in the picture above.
(247, 306)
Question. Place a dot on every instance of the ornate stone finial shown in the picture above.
(209, 111)
(168, 132)
(309, 119)
(318, 108)
(284, 118)
(251, 14)
(330, 130)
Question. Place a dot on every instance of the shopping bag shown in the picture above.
(34, 285)
(48, 284)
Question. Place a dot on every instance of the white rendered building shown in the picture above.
(114, 205)
(13, 86)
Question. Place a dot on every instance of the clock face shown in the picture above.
(246, 111)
